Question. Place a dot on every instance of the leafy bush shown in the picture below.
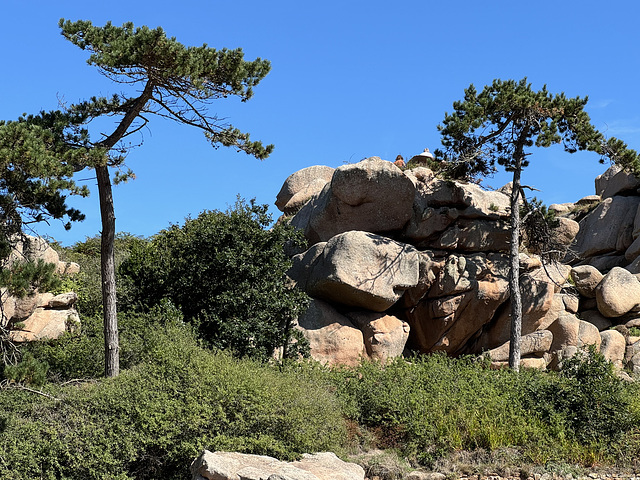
(434, 405)
(152, 420)
(587, 399)
(29, 371)
(87, 283)
(80, 354)
(226, 272)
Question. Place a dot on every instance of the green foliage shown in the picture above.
(25, 277)
(29, 371)
(434, 405)
(87, 283)
(35, 173)
(586, 399)
(507, 117)
(179, 82)
(152, 420)
(226, 272)
(634, 331)
(78, 354)
(537, 224)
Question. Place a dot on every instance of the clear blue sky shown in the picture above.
(349, 79)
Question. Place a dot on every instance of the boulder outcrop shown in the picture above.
(402, 256)
(39, 315)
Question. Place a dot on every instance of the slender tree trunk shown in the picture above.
(514, 259)
(107, 258)
(108, 272)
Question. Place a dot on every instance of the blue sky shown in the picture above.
(349, 79)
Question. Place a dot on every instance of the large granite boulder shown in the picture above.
(300, 186)
(333, 338)
(613, 347)
(47, 317)
(385, 336)
(536, 343)
(586, 278)
(38, 315)
(464, 298)
(373, 195)
(606, 229)
(357, 269)
(241, 466)
(618, 293)
(616, 181)
(449, 214)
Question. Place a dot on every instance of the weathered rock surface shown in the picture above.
(373, 195)
(536, 343)
(615, 181)
(463, 299)
(613, 347)
(39, 316)
(300, 186)
(385, 336)
(333, 338)
(618, 293)
(608, 228)
(358, 269)
(586, 279)
(448, 279)
(239, 466)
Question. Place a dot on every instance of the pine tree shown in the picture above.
(167, 79)
(35, 178)
(498, 126)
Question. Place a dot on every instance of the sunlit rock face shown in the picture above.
(416, 262)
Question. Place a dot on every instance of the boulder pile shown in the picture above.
(40, 315)
(403, 259)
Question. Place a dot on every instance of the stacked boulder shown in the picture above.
(39, 315)
(406, 259)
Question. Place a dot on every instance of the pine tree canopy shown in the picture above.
(490, 126)
(36, 166)
(175, 81)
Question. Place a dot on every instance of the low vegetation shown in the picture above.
(181, 390)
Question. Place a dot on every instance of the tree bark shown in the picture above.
(514, 260)
(108, 272)
(107, 258)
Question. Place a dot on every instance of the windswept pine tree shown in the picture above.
(36, 172)
(164, 78)
(498, 126)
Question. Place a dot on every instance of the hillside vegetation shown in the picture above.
(183, 389)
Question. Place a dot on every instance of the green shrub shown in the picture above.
(28, 371)
(80, 354)
(87, 283)
(226, 272)
(587, 399)
(152, 420)
(433, 406)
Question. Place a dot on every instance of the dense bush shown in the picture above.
(152, 420)
(226, 272)
(87, 283)
(80, 354)
(587, 398)
(434, 405)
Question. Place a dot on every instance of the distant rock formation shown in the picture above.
(40, 315)
(401, 255)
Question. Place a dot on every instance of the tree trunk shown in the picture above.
(514, 270)
(108, 271)
(107, 258)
